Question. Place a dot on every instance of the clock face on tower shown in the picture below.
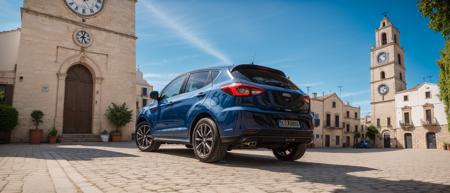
(383, 89)
(82, 38)
(85, 8)
(382, 57)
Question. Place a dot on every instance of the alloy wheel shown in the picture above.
(143, 137)
(203, 140)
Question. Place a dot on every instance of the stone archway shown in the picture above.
(78, 100)
(387, 140)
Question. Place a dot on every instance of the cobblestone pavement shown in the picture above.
(120, 167)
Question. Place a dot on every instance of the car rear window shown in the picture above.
(264, 77)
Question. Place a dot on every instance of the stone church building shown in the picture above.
(399, 126)
(70, 59)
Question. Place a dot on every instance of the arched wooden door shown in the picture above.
(78, 100)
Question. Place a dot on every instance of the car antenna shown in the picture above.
(253, 58)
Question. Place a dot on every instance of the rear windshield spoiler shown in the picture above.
(253, 66)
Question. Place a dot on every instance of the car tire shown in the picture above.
(291, 152)
(206, 141)
(144, 140)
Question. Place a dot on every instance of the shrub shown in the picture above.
(37, 116)
(53, 132)
(8, 117)
(357, 134)
(118, 115)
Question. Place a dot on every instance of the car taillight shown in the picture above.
(306, 99)
(242, 90)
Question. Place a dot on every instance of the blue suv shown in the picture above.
(217, 109)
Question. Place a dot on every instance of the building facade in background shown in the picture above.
(413, 118)
(71, 60)
(143, 89)
(340, 122)
(422, 118)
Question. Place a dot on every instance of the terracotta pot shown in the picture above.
(115, 137)
(35, 136)
(448, 147)
(5, 136)
(52, 139)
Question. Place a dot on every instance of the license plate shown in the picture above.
(289, 124)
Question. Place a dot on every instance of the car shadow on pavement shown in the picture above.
(345, 178)
(58, 152)
(351, 150)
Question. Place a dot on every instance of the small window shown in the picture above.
(428, 94)
(356, 115)
(348, 128)
(356, 128)
(328, 120)
(399, 59)
(333, 104)
(384, 24)
(405, 98)
(197, 81)
(317, 136)
(378, 123)
(144, 91)
(389, 121)
(336, 121)
(144, 102)
(383, 39)
(395, 38)
(338, 140)
(348, 114)
(401, 76)
(406, 117)
(428, 115)
(382, 75)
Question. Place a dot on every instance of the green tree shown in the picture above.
(439, 13)
(372, 132)
(37, 116)
(118, 115)
(8, 117)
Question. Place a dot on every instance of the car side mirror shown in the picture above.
(154, 95)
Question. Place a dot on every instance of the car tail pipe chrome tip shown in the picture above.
(250, 143)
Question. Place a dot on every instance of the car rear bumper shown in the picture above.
(261, 128)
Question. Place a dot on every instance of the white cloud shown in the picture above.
(186, 34)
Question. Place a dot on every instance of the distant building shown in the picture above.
(366, 121)
(143, 89)
(339, 121)
(422, 118)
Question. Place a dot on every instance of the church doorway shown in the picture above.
(78, 100)
(408, 140)
(387, 140)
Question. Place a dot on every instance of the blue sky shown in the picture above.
(320, 44)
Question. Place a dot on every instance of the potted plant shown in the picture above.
(119, 116)
(36, 133)
(104, 136)
(448, 146)
(52, 136)
(8, 120)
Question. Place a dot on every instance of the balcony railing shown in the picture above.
(430, 123)
(406, 125)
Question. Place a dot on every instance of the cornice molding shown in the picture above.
(80, 24)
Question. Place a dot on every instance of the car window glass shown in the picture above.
(173, 88)
(214, 74)
(264, 77)
(197, 81)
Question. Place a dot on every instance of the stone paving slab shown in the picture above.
(120, 167)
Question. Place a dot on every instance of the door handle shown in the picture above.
(200, 94)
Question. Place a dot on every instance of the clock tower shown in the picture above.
(387, 76)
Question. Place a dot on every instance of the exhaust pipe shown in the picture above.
(250, 143)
